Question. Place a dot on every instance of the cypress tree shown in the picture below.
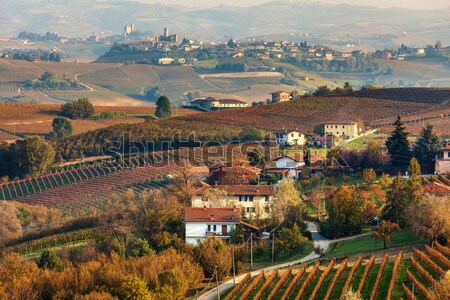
(398, 146)
(396, 202)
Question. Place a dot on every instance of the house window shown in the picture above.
(336, 126)
(267, 198)
(250, 209)
(343, 126)
(250, 198)
(292, 135)
(267, 209)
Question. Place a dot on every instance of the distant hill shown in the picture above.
(324, 22)
(418, 95)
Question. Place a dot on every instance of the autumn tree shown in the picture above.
(384, 230)
(10, 227)
(163, 109)
(81, 109)
(430, 217)
(286, 195)
(184, 184)
(369, 175)
(442, 290)
(134, 288)
(215, 198)
(345, 212)
(214, 256)
(398, 146)
(31, 156)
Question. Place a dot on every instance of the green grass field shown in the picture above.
(367, 244)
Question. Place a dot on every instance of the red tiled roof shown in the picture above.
(285, 131)
(210, 215)
(277, 170)
(446, 147)
(341, 123)
(241, 190)
(436, 188)
(279, 92)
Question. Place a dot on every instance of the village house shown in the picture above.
(280, 96)
(288, 166)
(165, 61)
(253, 201)
(345, 129)
(442, 165)
(212, 103)
(201, 223)
(291, 137)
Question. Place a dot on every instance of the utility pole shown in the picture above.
(234, 268)
(217, 283)
(273, 245)
(251, 250)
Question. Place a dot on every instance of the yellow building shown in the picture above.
(280, 96)
(346, 130)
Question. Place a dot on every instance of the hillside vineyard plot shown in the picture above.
(388, 278)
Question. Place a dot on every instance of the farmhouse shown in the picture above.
(254, 201)
(344, 129)
(201, 223)
(291, 137)
(288, 166)
(443, 165)
(165, 61)
(212, 103)
(280, 96)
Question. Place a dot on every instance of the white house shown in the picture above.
(212, 103)
(292, 137)
(165, 61)
(443, 165)
(288, 166)
(254, 201)
(202, 222)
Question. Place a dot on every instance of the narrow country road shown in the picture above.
(319, 241)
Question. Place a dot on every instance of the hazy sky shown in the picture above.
(415, 4)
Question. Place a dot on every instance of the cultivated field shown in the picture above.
(387, 278)
(36, 119)
(306, 113)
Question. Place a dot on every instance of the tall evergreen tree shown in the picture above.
(397, 202)
(163, 107)
(427, 146)
(414, 189)
(398, 146)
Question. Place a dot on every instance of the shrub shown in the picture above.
(49, 260)
(81, 109)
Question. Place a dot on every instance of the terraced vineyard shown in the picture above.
(79, 190)
(387, 278)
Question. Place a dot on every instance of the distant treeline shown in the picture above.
(50, 81)
(32, 55)
(37, 37)
(364, 64)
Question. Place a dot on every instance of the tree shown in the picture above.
(31, 156)
(231, 43)
(415, 181)
(286, 195)
(396, 202)
(81, 109)
(256, 158)
(163, 107)
(184, 184)
(214, 256)
(134, 288)
(345, 212)
(427, 146)
(398, 146)
(49, 260)
(430, 217)
(140, 247)
(215, 198)
(62, 128)
(347, 87)
(384, 231)
(10, 227)
(290, 240)
(369, 175)
(438, 45)
(249, 134)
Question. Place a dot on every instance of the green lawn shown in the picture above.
(306, 250)
(367, 244)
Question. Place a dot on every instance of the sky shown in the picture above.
(413, 4)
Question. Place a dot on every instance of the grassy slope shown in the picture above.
(367, 244)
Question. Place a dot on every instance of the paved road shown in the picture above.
(319, 240)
